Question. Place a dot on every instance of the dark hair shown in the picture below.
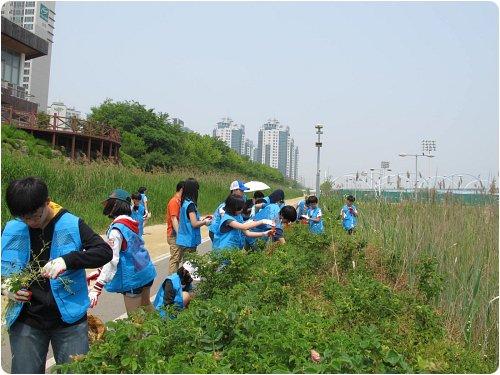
(350, 198)
(312, 199)
(260, 200)
(234, 204)
(288, 213)
(277, 196)
(190, 190)
(185, 276)
(248, 207)
(116, 207)
(136, 196)
(142, 189)
(180, 185)
(25, 196)
(258, 194)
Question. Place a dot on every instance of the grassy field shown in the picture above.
(448, 251)
(82, 187)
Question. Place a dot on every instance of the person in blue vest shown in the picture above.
(301, 208)
(236, 188)
(131, 271)
(45, 232)
(175, 290)
(314, 215)
(189, 234)
(277, 212)
(349, 214)
(138, 212)
(231, 231)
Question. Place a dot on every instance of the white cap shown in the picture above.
(191, 269)
(238, 185)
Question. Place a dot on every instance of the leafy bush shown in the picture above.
(263, 312)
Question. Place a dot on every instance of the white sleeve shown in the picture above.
(115, 240)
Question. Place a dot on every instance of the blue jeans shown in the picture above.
(29, 346)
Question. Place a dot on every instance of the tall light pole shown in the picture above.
(318, 145)
(403, 154)
(428, 146)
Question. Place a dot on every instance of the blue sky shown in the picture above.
(380, 76)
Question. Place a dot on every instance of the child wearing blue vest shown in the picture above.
(189, 235)
(236, 188)
(131, 271)
(349, 214)
(231, 230)
(45, 232)
(272, 211)
(314, 215)
(301, 208)
(175, 290)
(138, 212)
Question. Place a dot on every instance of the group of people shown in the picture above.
(45, 232)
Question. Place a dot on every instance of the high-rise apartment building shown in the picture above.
(249, 149)
(37, 17)
(276, 148)
(61, 110)
(231, 133)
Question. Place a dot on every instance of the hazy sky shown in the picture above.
(380, 76)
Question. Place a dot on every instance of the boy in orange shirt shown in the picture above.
(172, 219)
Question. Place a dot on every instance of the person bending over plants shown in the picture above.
(131, 271)
(231, 230)
(175, 290)
(45, 234)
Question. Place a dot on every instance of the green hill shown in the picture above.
(81, 187)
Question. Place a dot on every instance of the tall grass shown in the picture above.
(463, 238)
(82, 187)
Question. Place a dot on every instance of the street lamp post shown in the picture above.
(318, 145)
(403, 154)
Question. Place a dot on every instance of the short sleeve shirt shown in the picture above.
(173, 209)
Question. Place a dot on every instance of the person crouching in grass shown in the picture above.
(314, 215)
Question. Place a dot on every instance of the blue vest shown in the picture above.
(271, 212)
(187, 236)
(301, 209)
(349, 221)
(135, 268)
(16, 250)
(139, 217)
(315, 227)
(216, 218)
(178, 301)
(141, 202)
(234, 239)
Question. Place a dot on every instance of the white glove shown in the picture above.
(268, 222)
(305, 217)
(95, 293)
(54, 268)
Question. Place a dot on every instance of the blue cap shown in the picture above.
(121, 195)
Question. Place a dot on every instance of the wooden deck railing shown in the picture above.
(55, 123)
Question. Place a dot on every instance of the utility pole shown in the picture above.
(318, 145)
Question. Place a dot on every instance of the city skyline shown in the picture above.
(380, 77)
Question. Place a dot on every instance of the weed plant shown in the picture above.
(447, 252)
(265, 311)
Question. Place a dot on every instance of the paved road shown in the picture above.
(111, 305)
